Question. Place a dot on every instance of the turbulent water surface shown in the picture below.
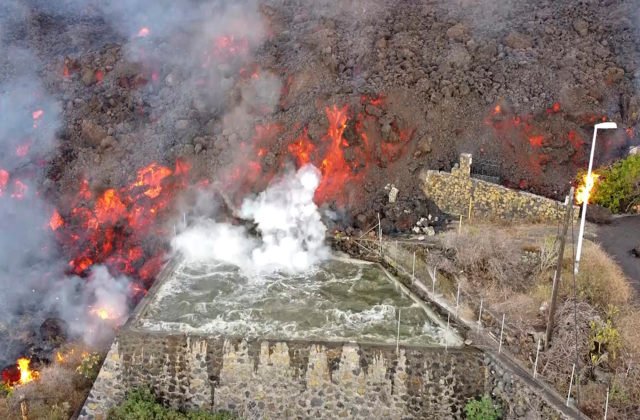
(340, 300)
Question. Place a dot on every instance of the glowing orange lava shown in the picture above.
(121, 227)
(55, 222)
(583, 192)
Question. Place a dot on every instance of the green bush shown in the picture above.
(619, 185)
(140, 404)
(482, 409)
(90, 366)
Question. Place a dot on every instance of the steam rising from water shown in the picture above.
(291, 229)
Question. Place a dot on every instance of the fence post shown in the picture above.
(480, 315)
(573, 370)
(398, 334)
(24, 408)
(458, 299)
(380, 234)
(446, 334)
(606, 405)
(501, 332)
(413, 269)
(535, 365)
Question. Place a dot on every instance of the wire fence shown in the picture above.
(489, 330)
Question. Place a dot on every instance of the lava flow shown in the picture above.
(120, 228)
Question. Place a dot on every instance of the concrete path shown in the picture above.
(618, 239)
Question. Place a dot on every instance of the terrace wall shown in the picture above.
(456, 192)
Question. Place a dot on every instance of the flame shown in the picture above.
(105, 314)
(144, 32)
(26, 374)
(121, 227)
(536, 141)
(583, 192)
(497, 110)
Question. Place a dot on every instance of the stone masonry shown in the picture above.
(274, 380)
(457, 193)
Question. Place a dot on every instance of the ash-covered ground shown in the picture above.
(517, 84)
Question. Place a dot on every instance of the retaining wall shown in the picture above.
(456, 192)
(276, 380)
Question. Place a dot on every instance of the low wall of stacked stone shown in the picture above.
(457, 193)
(265, 379)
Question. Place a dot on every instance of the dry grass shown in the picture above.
(600, 280)
(487, 258)
(58, 392)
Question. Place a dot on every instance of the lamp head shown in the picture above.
(606, 126)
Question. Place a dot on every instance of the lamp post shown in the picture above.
(602, 126)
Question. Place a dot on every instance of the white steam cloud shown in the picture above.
(288, 221)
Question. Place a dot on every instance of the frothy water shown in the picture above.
(341, 300)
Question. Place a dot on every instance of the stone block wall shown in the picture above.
(274, 380)
(456, 192)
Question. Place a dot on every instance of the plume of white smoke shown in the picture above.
(289, 223)
(93, 307)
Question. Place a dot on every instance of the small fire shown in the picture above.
(584, 190)
(143, 32)
(104, 313)
(497, 110)
(26, 374)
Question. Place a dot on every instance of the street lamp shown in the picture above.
(602, 126)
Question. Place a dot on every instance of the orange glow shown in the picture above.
(104, 314)
(121, 227)
(151, 177)
(497, 110)
(584, 190)
(4, 180)
(37, 114)
(55, 222)
(536, 141)
(26, 374)
(144, 32)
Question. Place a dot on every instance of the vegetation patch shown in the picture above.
(482, 409)
(618, 187)
(141, 404)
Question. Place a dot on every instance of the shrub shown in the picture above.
(482, 409)
(619, 185)
(90, 366)
(489, 258)
(140, 404)
(604, 338)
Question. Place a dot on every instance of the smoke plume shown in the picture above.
(289, 224)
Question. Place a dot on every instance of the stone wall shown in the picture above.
(264, 379)
(456, 192)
